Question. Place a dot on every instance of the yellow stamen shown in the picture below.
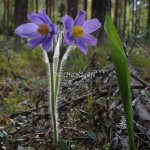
(77, 31)
(43, 29)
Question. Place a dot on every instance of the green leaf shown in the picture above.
(63, 145)
(123, 74)
(91, 135)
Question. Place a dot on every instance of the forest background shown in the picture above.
(23, 78)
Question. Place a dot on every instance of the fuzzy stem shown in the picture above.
(57, 78)
(59, 65)
(53, 105)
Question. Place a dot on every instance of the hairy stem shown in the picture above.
(57, 78)
(53, 104)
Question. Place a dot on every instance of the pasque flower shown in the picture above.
(78, 30)
(41, 30)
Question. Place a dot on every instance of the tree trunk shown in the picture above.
(124, 18)
(85, 5)
(37, 6)
(116, 13)
(20, 15)
(46, 4)
(120, 18)
(148, 19)
(4, 19)
(99, 9)
(32, 5)
(7, 20)
(72, 8)
(50, 9)
(53, 10)
(133, 16)
(49, 6)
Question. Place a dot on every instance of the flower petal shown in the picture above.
(89, 39)
(68, 22)
(80, 18)
(44, 17)
(33, 17)
(36, 41)
(68, 38)
(53, 29)
(81, 45)
(91, 25)
(27, 30)
(47, 43)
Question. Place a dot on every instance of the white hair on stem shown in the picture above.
(49, 91)
(57, 42)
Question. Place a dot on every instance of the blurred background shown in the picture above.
(129, 16)
(23, 73)
(131, 19)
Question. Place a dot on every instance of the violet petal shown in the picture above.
(68, 38)
(89, 39)
(68, 22)
(47, 43)
(53, 29)
(36, 41)
(81, 45)
(33, 17)
(44, 17)
(91, 25)
(80, 18)
(27, 30)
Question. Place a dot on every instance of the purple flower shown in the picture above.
(78, 30)
(41, 30)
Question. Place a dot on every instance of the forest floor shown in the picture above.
(90, 110)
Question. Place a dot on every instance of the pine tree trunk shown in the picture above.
(85, 5)
(116, 13)
(7, 20)
(72, 8)
(37, 5)
(120, 18)
(20, 15)
(48, 7)
(32, 5)
(53, 10)
(133, 17)
(4, 19)
(148, 19)
(124, 18)
(99, 10)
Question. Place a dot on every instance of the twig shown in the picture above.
(145, 84)
(62, 104)
(90, 63)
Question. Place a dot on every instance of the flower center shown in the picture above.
(77, 31)
(43, 29)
